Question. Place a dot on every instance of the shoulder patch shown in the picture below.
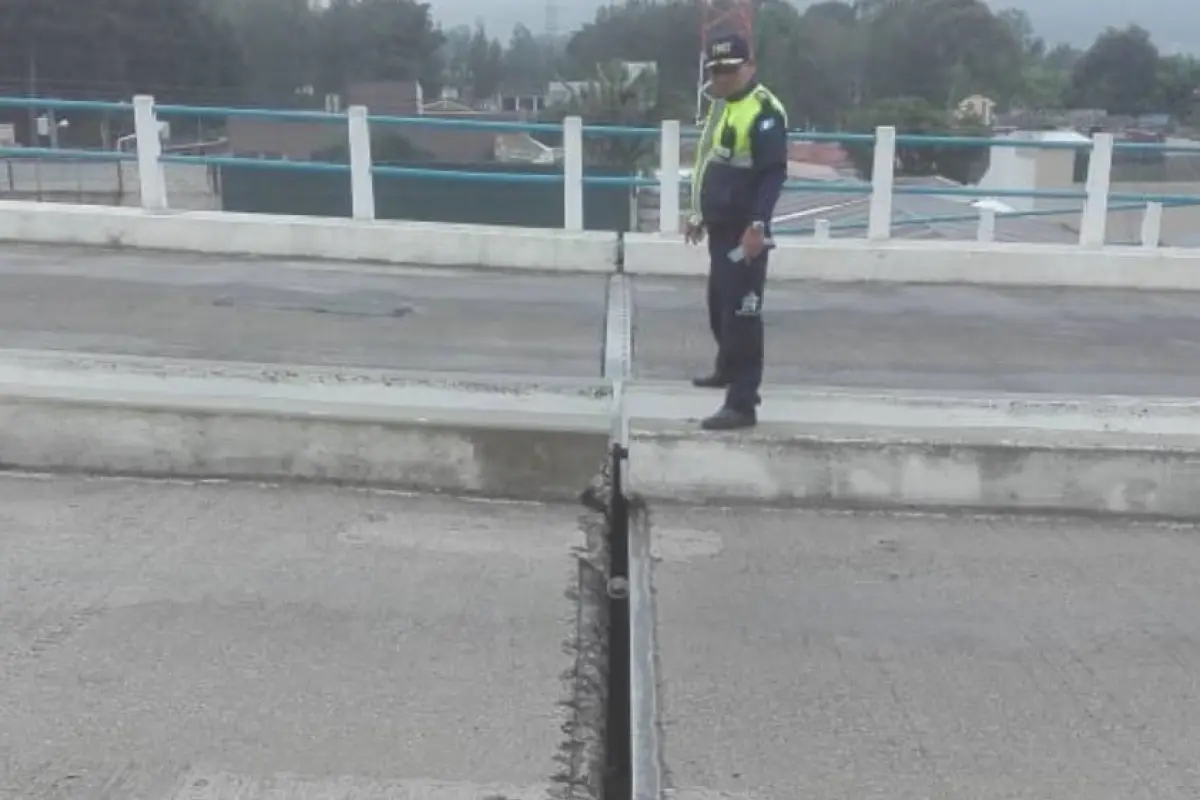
(767, 123)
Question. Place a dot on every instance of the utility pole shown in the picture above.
(32, 90)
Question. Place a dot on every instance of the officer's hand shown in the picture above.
(754, 241)
(694, 234)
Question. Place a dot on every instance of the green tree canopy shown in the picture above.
(915, 115)
(176, 49)
(1119, 73)
(616, 97)
(485, 64)
(941, 51)
(666, 33)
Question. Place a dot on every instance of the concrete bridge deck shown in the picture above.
(181, 641)
(935, 338)
(267, 642)
(882, 657)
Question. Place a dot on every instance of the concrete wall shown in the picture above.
(1011, 169)
(396, 242)
(1044, 170)
(914, 261)
(556, 250)
(189, 186)
(1180, 224)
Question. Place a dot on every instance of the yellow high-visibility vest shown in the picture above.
(723, 115)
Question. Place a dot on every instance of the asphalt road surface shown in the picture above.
(175, 641)
(876, 657)
(905, 337)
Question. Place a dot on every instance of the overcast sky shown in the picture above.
(1175, 24)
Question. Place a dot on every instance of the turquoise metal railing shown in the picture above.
(170, 111)
(933, 219)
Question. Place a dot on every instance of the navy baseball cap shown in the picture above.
(727, 51)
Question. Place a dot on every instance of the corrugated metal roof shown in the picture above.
(913, 216)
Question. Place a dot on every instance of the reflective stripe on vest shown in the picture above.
(704, 151)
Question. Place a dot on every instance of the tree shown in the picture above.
(783, 61)
(528, 63)
(1033, 47)
(915, 115)
(1178, 84)
(1063, 57)
(832, 11)
(1119, 73)
(176, 49)
(374, 40)
(485, 64)
(616, 96)
(940, 50)
(454, 57)
(666, 33)
(276, 39)
(836, 46)
(1043, 84)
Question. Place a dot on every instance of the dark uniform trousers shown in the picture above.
(735, 292)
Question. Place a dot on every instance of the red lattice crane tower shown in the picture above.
(721, 18)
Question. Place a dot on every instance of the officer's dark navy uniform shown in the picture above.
(741, 166)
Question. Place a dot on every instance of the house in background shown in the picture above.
(301, 141)
(978, 106)
(637, 75)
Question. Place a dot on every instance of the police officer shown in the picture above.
(741, 166)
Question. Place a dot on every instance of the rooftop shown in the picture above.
(913, 216)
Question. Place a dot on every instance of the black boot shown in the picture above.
(714, 380)
(729, 419)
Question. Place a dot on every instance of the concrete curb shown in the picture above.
(527, 463)
(391, 242)
(179, 420)
(1003, 474)
(939, 262)
(1115, 455)
(466, 434)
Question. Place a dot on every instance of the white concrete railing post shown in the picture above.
(823, 231)
(573, 173)
(362, 184)
(1093, 227)
(668, 177)
(987, 225)
(152, 180)
(883, 175)
(1152, 226)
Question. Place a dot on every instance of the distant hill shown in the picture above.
(1175, 24)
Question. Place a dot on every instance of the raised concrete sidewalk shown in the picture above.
(1095, 455)
(545, 439)
(184, 418)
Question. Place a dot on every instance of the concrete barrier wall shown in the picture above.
(310, 237)
(431, 244)
(900, 261)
